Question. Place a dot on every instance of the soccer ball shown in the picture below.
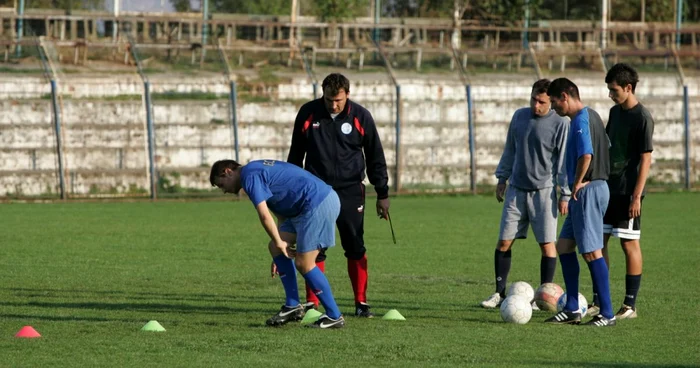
(547, 296)
(516, 309)
(521, 288)
(582, 303)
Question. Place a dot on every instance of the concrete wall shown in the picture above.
(105, 140)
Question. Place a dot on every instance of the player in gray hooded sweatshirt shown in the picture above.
(531, 168)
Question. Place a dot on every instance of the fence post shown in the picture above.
(234, 117)
(59, 141)
(397, 148)
(151, 139)
(686, 121)
(470, 120)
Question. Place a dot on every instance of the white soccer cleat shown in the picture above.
(494, 301)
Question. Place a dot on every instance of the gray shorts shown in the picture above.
(522, 208)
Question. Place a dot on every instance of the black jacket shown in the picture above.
(334, 147)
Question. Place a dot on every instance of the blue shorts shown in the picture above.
(315, 229)
(584, 224)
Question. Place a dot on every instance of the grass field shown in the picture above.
(88, 276)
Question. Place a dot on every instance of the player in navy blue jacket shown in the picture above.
(339, 140)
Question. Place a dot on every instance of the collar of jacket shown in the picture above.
(341, 115)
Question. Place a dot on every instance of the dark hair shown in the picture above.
(541, 86)
(220, 167)
(563, 85)
(335, 82)
(622, 74)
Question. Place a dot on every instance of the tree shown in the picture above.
(337, 10)
(181, 5)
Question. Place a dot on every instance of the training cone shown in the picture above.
(393, 315)
(27, 332)
(311, 316)
(153, 326)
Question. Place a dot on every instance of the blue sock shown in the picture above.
(288, 276)
(570, 269)
(320, 286)
(600, 276)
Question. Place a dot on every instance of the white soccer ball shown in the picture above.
(582, 303)
(516, 309)
(521, 288)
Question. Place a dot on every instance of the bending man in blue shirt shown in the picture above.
(587, 167)
(306, 209)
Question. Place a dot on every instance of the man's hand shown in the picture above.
(577, 187)
(500, 192)
(291, 253)
(281, 246)
(564, 208)
(635, 209)
(383, 208)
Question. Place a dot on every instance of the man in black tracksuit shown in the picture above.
(333, 132)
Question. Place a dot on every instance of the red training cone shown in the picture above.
(27, 332)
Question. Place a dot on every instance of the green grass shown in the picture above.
(87, 276)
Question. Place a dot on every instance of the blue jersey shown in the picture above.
(587, 137)
(288, 189)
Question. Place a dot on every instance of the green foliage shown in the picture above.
(181, 5)
(68, 5)
(271, 7)
(337, 10)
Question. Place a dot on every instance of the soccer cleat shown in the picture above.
(310, 305)
(626, 312)
(494, 301)
(535, 307)
(593, 310)
(327, 322)
(601, 321)
(565, 318)
(286, 315)
(362, 310)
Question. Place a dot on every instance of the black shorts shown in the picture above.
(617, 220)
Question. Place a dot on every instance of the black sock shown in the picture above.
(632, 288)
(502, 266)
(548, 265)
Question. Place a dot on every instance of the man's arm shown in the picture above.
(374, 157)
(268, 223)
(636, 200)
(375, 162)
(297, 150)
(582, 165)
(646, 148)
(505, 165)
(560, 164)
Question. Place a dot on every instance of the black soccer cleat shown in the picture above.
(363, 310)
(601, 321)
(309, 306)
(565, 318)
(327, 322)
(286, 315)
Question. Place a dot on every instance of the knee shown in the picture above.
(355, 254)
(630, 246)
(303, 265)
(504, 245)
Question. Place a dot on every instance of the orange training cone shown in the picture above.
(27, 332)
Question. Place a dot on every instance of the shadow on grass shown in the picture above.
(59, 293)
(140, 307)
(610, 365)
(26, 317)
